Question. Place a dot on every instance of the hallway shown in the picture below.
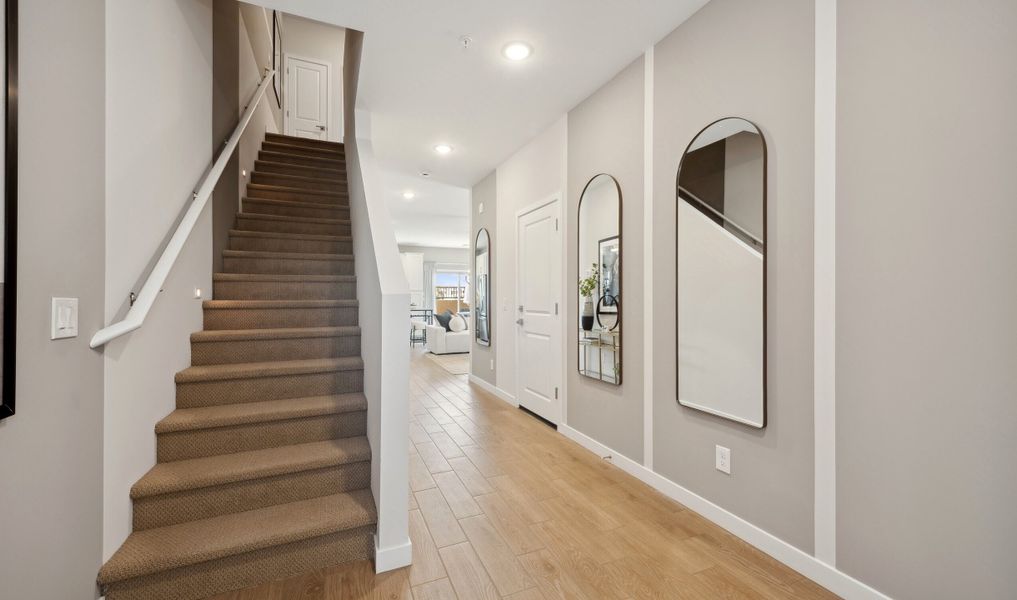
(504, 507)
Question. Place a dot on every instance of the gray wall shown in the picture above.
(926, 297)
(225, 116)
(51, 450)
(605, 135)
(752, 60)
(486, 192)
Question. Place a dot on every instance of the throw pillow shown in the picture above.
(457, 324)
(443, 319)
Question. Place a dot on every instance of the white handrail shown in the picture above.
(135, 316)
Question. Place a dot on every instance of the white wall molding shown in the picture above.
(648, 324)
(825, 280)
(393, 557)
(822, 573)
(493, 390)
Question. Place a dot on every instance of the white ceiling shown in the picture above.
(437, 216)
(422, 88)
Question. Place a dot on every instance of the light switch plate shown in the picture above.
(64, 318)
(724, 459)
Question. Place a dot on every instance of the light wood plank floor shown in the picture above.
(502, 506)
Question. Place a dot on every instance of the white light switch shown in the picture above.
(724, 459)
(65, 318)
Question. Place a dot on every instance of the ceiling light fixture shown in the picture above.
(517, 51)
(409, 195)
(443, 149)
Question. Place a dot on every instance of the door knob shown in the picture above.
(321, 127)
(519, 322)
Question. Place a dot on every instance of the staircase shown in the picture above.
(263, 469)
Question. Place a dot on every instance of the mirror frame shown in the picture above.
(766, 261)
(476, 289)
(621, 275)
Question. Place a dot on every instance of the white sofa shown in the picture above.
(440, 341)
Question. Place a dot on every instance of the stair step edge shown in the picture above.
(271, 235)
(282, 277)
(176, 546)
(279, 333)
(285, 255)
(262, 370)
(224, 469)
(277, 304)
(289, 219)
(227, 415)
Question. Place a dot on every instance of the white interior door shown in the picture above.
(538, 328)
(307, 90)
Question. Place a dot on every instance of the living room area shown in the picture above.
(432, 224)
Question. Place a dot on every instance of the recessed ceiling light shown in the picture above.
(409, 195)
(517, 51)
(443, 149)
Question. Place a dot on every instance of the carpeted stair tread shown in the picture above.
(164, 548)
(338, 164)
(268, 166)
(296, 204)
(300, 149)
(292, 139)
(314, 237)
(268, 369)
(195, 473)
(283, 277)
(289, 219)
(230, 304)
(286, 255)
(295, 190)
(226, 415)
(279, 333)
(299, 181)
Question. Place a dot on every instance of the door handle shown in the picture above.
(519, 322)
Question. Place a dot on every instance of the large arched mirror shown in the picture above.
(721, 272)
(600, 280)
(482, 288)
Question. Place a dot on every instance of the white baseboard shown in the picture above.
(493, 390)
(825, 575)
(392, 557)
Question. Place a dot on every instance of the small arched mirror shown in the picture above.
(721, 273)
(600, 280)
(482, 288)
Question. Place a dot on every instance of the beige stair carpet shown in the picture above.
(264, 470)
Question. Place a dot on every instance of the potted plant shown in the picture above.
(587, 286)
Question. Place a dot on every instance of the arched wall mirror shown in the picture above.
(721, 272)
(600, 280)
(482, 288)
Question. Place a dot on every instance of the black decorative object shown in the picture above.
(10, 223)
(610, 319)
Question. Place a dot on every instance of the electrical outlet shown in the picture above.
(724, 459)
(492, 364)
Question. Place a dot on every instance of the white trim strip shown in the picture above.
(493, 390)
(392, 557)
(822, 573)
(825, 279)
(648, 323)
